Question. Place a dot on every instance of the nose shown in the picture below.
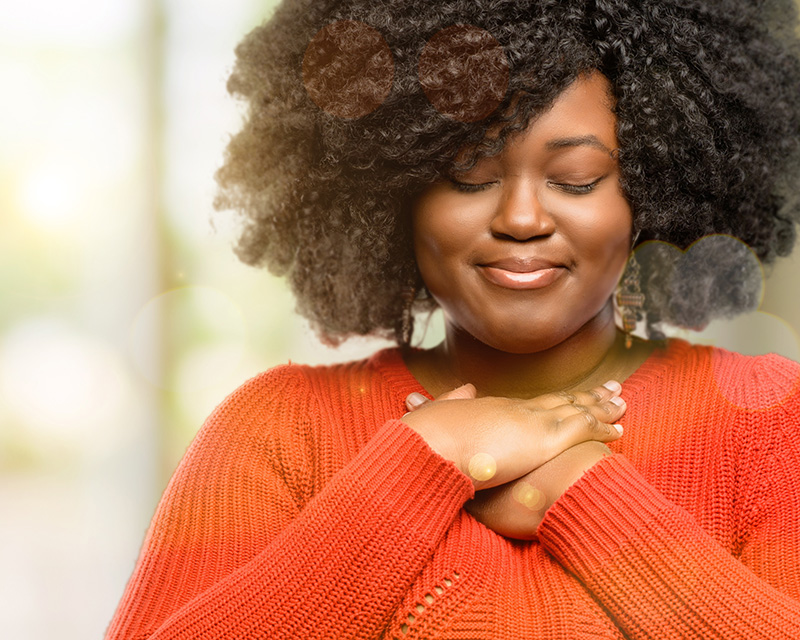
(520, 214)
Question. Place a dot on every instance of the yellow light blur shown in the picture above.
(529, 496)
(49, 195)
(482, 467)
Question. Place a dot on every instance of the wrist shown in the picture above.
(422, 427)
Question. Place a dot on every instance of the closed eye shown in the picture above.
(575, 189)
(469, 187)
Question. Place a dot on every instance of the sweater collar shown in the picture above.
(390, 364)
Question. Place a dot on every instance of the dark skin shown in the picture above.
(439, 373)
(535, 338)
(512, 509)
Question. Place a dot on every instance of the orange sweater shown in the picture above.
(305, 509)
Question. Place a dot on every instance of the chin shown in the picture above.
(529, 337)
(521, 343)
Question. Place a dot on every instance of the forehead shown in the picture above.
(582, 113)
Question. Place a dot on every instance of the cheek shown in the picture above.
(427, 248)
(608, 233)
(432, 252)
(442, 233)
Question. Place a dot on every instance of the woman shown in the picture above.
(500, 160)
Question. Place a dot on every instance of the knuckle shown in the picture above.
(567, 397)
(589, 418)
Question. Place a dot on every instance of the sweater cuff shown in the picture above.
(396, 468)
(605, 511)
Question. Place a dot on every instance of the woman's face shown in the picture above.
(525, 250)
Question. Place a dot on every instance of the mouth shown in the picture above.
(520, 273)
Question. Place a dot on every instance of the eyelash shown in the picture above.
(467, 187)
(574, 189)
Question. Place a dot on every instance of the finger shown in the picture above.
(554, 400)
(608, 411)
(415, 400)
(596, 395)
(581, 424)
(599, 394)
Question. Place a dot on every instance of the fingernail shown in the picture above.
(415, 399)
(618, 427)
(617, 401)
(613, 386)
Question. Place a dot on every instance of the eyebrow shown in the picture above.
(577, 141)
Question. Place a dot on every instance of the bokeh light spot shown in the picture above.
(482, 467)
(50, 194)
(528, 496)
(348, 69)
(208, 323)
(58, 382)
(718, 276)
(464, 72)
(759, 333)
(721, 312)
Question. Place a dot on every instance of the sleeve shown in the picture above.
(660, 575)
(233, 550)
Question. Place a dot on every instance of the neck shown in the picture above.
(588, 358)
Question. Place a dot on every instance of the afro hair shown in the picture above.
(353, 107)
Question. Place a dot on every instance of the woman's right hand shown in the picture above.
(495, 440)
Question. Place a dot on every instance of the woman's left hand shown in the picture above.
(516, 509)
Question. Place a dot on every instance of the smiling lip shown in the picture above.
(520, 273)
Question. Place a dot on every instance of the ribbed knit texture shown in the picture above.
(305, 509)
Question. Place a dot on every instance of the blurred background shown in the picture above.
(124, 315)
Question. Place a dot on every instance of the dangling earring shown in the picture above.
(408, 294)
(630, 299)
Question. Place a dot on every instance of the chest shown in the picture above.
(479, 584)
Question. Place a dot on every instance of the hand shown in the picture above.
(497, 440)
(516, 509)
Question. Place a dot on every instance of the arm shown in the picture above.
(647, 560)
(659, 574)
(237, 550)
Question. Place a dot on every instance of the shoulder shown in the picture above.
(744, 409)
(291, 392)
(753, 383)
(756, 383)
(264, 393)
(756, 401)
(268, 406)
(295, 381)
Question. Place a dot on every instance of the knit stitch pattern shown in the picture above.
(305, 508)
